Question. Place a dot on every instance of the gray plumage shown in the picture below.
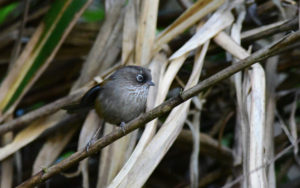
(123, 96)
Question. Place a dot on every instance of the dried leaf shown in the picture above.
(146, 32)
(192, 15)
(216, 23)
(129, 32)
(7, 165)
(38, 55)
(51, 149)
(25, 137)
(257, 126)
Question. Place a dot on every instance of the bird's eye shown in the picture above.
(140, 78)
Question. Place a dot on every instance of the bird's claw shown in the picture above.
(122, 125)
(91, 142)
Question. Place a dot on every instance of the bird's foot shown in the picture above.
(122, 126)
(93, 139)
(91, 142)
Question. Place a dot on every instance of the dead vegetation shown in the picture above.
(223, 112)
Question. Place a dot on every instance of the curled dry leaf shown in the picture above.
(196, 12)
(216, 23)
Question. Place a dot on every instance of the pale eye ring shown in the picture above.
(140, 78)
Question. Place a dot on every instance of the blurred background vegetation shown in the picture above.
(50, 48)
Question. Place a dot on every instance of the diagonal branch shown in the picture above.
(40, 112)
(268, 30)
(50, 108)
(160, 110)
(17, 47)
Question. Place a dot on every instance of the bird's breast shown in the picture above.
(121, 105)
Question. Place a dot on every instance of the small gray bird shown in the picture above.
(121, 97)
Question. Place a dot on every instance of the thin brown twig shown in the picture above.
(209, 146)
(223, 125)
(17, 46)
(269, 30)
(40, 12)
(160, 110)
(50, 108)
(278, 27)
(43, 111)
(278, 156)
(213, 176)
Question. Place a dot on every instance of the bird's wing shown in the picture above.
(87, 101)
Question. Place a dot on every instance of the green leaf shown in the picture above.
(56, 22)
(64, 156)
(94, 15)
(5, 11)
(227, 140)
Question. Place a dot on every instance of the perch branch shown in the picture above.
(159, 110)
(269, 30)
(40, 112)
(51, 107)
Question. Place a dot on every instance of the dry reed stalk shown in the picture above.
(191, 16)
(271, 84)
(221, 19)
(253, 101)
(146, 32)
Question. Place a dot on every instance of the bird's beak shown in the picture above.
(150, 83)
